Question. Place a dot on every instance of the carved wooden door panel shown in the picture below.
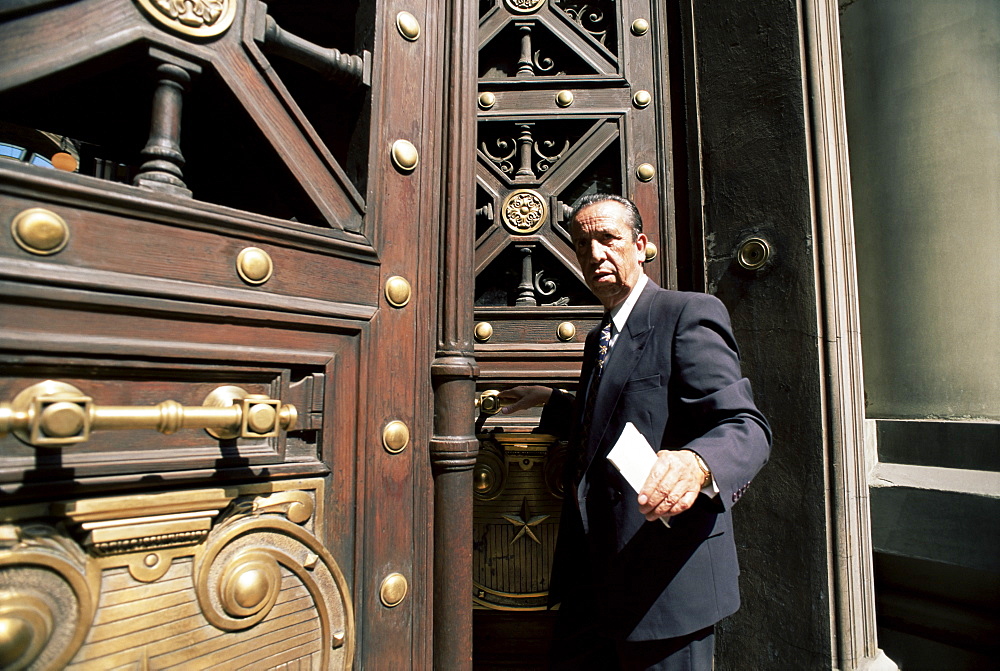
(214, 333)
(573, 99)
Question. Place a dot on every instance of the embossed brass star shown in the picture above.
(525, 521)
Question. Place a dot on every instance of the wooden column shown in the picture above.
(454, 446)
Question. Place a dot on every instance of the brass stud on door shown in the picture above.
(645, 172)
(395, 437)
(487, 99)
(397, 291)
(254, 265)
(651, 251)
(642, 99)
(484, 331)
(564, 98)
(404, 155)
(408, 26)
(393, 590)
(566, 331)
(640, 27)
(40, 231)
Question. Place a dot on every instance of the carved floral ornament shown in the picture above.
(524, 6)
(524, 211)
(198, 18)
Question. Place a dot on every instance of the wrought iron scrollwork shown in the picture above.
(597, 18)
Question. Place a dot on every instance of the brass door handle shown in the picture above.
(52, 414)
(489, 402)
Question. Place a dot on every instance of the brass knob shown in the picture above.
(395, 436)
(566, 331)
(404, 155)
(254, 265)
(40, 231)
(393, 590)
(651, 251)
(753, 253)
(408, 26)
(487, 99)
(51, 414)
(640, 27)
(642, 99)
(484, 331)
(564, 98)
(645, 172)
(397, 291)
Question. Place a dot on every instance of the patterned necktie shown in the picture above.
(603, 346)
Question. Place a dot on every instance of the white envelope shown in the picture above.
(634, 457)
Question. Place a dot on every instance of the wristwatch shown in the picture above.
(704, 469)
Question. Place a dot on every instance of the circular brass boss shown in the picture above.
(26, 625)
(640, 27)
(404, 155)
(642, 99)
(487, 99)
(393, 590)
(753, 253)
(395, 436)
(40, 231)
(566, 331)
(564, 98)
(651, 251)
(408, 26)
(484, 331)
(645, 172)
(397, 291)
(254, 265)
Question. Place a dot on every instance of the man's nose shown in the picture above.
(595, 252)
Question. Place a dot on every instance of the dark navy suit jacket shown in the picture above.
(673, 372)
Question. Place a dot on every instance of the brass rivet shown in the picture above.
(640, 27)
(397, 291)
(254, 265)
(641, 99)
(564, 98)
(393, 590)
(566, 331)
(404, 155)
(484, 331)
(408, 26)
(645, 172)
(650, 251)
(753, 253)
(151, 560)
(250, 588)
(40, 231)
(395, 436)
(487, 99)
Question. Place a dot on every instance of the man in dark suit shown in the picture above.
(636, 593)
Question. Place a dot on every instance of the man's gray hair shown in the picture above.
(632, 217)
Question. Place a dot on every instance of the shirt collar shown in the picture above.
(620, 313)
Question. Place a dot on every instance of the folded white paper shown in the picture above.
(634, 457)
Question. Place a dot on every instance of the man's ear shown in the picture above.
(640, 245)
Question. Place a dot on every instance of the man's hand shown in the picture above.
(672, 486)
(523, 397)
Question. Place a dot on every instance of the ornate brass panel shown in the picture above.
(515, 519)
(235, 576)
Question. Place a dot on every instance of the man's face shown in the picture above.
(610, 259)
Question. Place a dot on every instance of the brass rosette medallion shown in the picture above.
(197, 18)
(524, 6)
(524, 211)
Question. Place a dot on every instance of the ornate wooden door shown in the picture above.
(574, 98)
(216, 327)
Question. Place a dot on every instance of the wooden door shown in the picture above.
(243, 239)
(574, 98)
